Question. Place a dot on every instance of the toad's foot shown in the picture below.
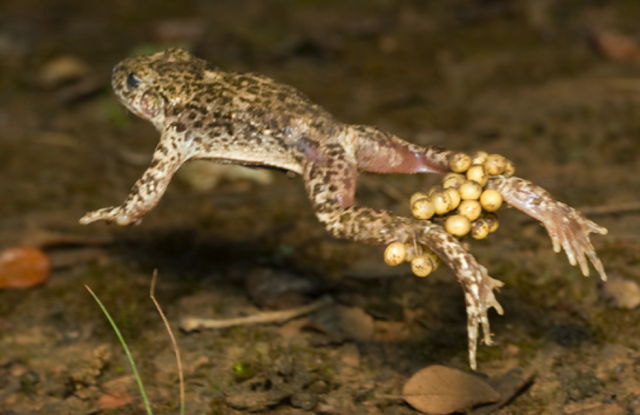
(567, 227)
(109, 214)
(476, 284)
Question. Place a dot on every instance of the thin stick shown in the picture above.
(126, 350)
(176, 350)
(194, 323)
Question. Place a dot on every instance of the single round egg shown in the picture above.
(422, 209)
(478, 173)
(470, 209)
(441, 202)
(491, 200)
(479, 229)
(453, 180)
(470, 191)
(454, 195)
(492, 221)
(422, 265)
(395, 253)
(479, 157)
(457, 225)
(459, 162)
(495, 164)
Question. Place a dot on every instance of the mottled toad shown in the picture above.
(203, 112)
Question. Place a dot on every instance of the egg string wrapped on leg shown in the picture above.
(567, 227)
(466, 204)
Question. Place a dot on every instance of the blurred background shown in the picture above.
(552, 85)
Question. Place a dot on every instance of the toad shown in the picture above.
(203, 112)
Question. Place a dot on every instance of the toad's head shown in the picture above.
(152, 85)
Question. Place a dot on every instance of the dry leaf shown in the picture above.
(114, 399)
(617, 47)
(442, 390)
(61, 70)
(23, 267)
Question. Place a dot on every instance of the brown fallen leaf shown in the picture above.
(23, 267)
(616, 46)
(61, 70)
(438, 390)
(114, 399)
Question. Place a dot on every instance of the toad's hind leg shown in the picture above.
(330, 184)
(381, 152)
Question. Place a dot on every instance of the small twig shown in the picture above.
(194, 323)
(176, 350)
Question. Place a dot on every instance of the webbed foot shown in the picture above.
(567, 227)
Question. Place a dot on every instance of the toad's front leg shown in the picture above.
(148, 190)
(330, 184)
(567, 227)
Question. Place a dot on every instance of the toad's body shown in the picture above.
(205, 113)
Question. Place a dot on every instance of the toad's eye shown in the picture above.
(133, 81)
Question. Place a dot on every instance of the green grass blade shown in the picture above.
(126, 350)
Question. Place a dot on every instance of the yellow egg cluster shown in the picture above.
(461, 204)
(423, 260)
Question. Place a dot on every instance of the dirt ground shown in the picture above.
(553, 85)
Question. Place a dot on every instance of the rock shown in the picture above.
(621, 292)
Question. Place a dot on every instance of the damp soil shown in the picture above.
(517, 77)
